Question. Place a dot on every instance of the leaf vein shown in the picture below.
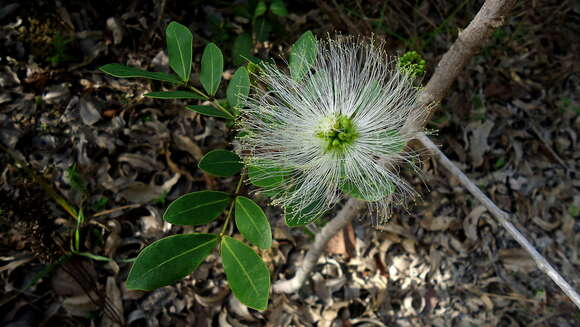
(181, 56)
(243, 268)
(251, 220)
(201, 206)
(175, 257)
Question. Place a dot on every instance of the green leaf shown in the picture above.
(196, 208)
(123, 71)
(238, 88)
(396, 143)
(303, 217)
(302, 55)
(377, 192)
(252, 223)
(180, 48)
(209, 111)
(174, 95)
(262, 28)
(247, 274)
(371, 94)
(212, 66)
(263, 174)
(270, 192)
(278, 8)
(221, 163)
(169, 259)
(260, 9)
(242, 48)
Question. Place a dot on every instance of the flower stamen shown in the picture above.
(337, 132)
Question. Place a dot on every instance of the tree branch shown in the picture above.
(350, 210)
(503, 218)
(490, 16)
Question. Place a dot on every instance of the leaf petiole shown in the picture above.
(221, 108)
(214, 103)
(232, 203)
(196, 90)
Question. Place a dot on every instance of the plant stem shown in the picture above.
(220, 107)
(231, 209)
(196, 90)
(214, 102)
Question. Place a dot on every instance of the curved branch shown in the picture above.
(350, 210)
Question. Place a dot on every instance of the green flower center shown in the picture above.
(337, 132)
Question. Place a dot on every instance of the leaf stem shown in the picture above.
(220, 107)
(231, 209)
(214, 102)
(196, 90)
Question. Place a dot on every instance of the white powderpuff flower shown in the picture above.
(342, 129)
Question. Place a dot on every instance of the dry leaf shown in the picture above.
(516, 260)
(80, 305)
(441, 223)
(343, 242)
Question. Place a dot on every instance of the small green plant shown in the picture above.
(162, 199)
(479, 105)
(171, 258)
(565, 103)
(60, 51)
(302, 157)
(75, 180)
(262, 14)
(100, 204)
(574, 211)
(259, 20)
(500, 162)
(75, 246)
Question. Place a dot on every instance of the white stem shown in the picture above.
(350, 210)
(503, 218)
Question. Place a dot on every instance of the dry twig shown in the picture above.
(502, 217)
(489, 17)
(351, 208)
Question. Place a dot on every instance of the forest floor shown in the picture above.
(511, 122)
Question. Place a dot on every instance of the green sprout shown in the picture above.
(75, 179)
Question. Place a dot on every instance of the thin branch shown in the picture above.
(489, 17)
(350, 210)
(503, 218)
